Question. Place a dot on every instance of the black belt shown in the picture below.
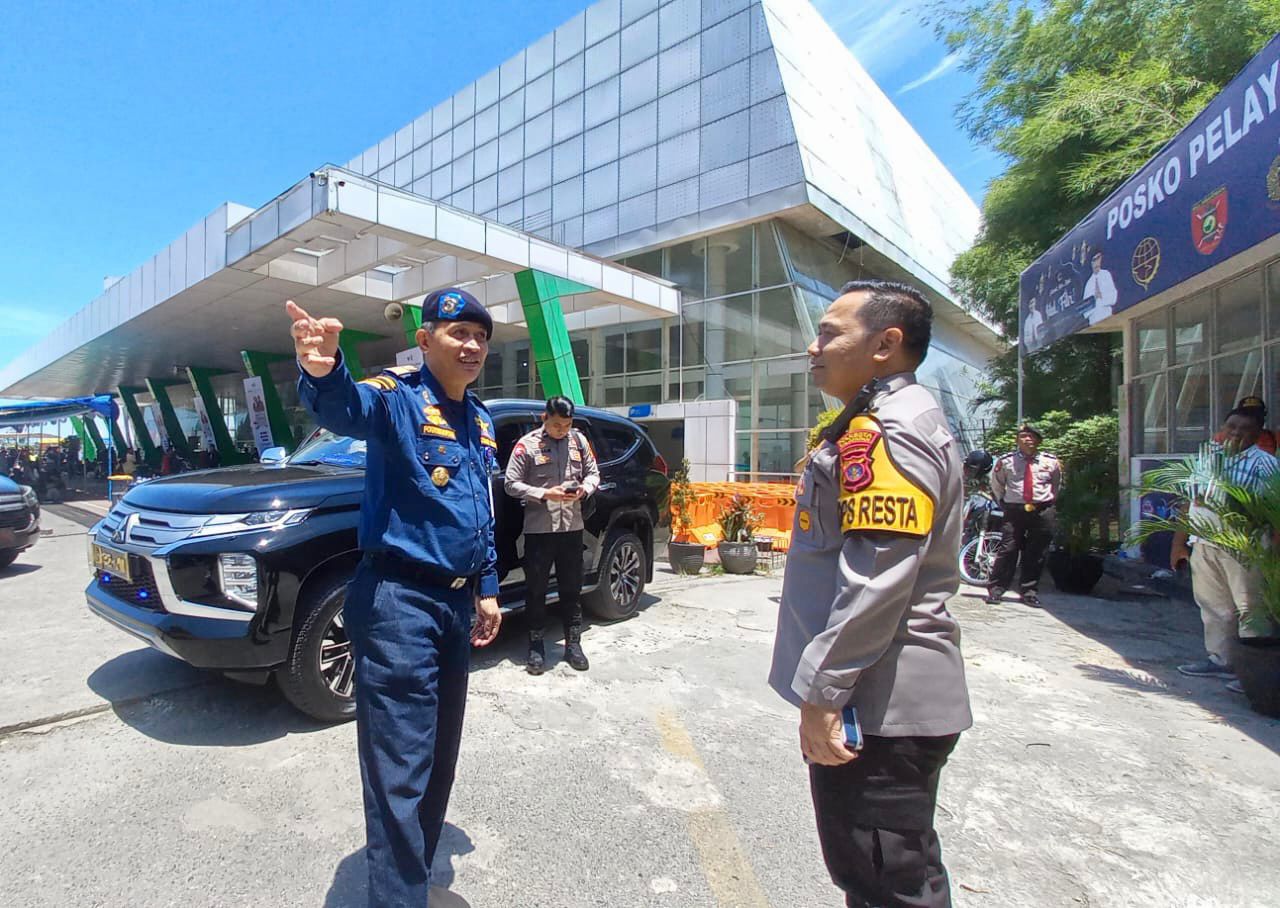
(397, 566)
(1025, 506)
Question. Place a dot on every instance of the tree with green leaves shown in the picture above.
(1076, 95)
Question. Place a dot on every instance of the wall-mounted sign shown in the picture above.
(1212, 192)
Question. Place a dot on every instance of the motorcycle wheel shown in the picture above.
(977, 557)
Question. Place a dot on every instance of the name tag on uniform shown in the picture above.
(874, 494)
(575, 455)
(540, 459)
(439, 432)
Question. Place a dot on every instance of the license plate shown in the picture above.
(111, 561)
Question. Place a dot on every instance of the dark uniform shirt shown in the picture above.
(427, 494)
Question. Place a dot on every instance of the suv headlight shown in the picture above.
(29, 497)
(230, 524)
(238, 578)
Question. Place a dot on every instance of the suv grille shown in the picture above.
(153, 528)
(142, 592)
(15, 520)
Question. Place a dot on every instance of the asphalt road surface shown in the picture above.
(668, 775)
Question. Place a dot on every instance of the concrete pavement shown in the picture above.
(665, 776)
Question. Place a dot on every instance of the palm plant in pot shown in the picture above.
(738, 523)
(1243, 519)
(686, 556)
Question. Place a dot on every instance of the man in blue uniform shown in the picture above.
(426, 531)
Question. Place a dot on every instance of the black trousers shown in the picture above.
(1025, 533)
(542, 551)
(875, 823)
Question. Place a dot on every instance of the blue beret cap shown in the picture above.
(454, 305)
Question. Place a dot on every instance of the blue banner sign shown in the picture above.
(1212, 192)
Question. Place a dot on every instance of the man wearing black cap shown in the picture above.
(1026, 483)
(426, 533)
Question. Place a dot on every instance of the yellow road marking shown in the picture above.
(724, 864)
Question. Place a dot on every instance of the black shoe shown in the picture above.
(536, 664)
(1031, 599)
(994, 595)
(576, 658)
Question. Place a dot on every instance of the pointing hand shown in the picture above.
(315, 340)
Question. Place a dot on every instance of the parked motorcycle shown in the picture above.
(981, 538)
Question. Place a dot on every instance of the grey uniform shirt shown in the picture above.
(1010, 470)
(540, 462)
(863, 619)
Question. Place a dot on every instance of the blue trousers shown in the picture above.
(412, 649)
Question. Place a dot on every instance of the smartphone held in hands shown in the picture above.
(852, 729)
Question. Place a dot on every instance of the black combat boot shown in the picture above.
(573, 653)
(536, 664)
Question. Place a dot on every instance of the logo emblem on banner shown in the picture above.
(1209, 221)
(855, 458)
(1146, 261)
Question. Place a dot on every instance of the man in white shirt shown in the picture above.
(1224, 589)
(1102, 289)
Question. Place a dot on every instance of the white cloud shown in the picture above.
(28, 321)
(945, 65)
(882, 34)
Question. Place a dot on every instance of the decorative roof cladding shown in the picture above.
(639, 122)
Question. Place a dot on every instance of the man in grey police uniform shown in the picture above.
(863, 621)
(426, 534)
(553, 470)
(1027, 483)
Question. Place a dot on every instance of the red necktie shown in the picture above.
(1028, 484)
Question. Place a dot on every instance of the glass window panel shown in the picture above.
(1191, 411)
(615, 347)
(492, 376)
(729, 262)
(1152, 338)
(778, 453)
(644, 389)
(730, 334)
(686, 268)
(778, 323)
(692, 335)
(1234, 377)
(742, 454)
(733, 382)
(783, 401)
(644, 349)
(1273, 299)
(569, 78)
(1239, 322)
(614, 395)
(1150, 416)
(538, 96)
(770, 270)
(581, 355)
(522, 365)
(1190, 331)
(648, 262)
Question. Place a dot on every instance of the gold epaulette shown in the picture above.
(381, 382)
(401, 370)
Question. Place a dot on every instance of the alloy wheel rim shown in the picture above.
(337, 667)
(624, 574)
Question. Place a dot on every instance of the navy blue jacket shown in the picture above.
(427, 493)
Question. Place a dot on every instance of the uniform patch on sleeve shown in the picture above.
(381, 382)
(874, 494)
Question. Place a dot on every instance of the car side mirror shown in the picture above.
(272, 456)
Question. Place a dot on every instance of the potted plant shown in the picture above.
(1073, 562)
(686, 556)
(1247, 527)
(738, 524)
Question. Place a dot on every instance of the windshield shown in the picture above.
(327, 448)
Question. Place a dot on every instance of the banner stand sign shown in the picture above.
(256, 400)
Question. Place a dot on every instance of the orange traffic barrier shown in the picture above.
(774, 502)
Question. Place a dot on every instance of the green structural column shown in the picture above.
(143, 435)
(347, 342)
(95, 437)
(540, 298)
(258, 364)
(117, 438)
(159, 388)
(203, 387)
(412, 322)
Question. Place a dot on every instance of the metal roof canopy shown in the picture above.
(341, 245)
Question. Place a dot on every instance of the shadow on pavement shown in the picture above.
(169, 701)
(18, 568)
(1155, 636)
(350, 887)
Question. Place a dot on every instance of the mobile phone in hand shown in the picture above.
(572, 486)
(852, 729)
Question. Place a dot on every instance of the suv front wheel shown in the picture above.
(319, 677)
(623, 568)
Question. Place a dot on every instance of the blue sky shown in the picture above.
(122, 124)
